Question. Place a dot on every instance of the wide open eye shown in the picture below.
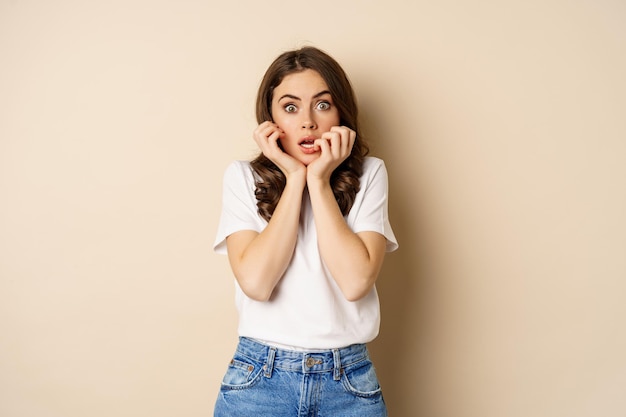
(323, 105)
(290, 108)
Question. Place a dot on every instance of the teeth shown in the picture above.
(307, 145)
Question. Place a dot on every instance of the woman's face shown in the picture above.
(303, 108)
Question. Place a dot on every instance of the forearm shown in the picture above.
(260, 260)
(353, 263)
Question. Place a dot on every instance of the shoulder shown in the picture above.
(373, 166)
(372, 162)
(238, 166)
(238, 169)
(239, 175)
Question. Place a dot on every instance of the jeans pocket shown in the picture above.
(241, 373)
(361, 380)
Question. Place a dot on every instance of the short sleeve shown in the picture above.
(370, 210)
(239, 210)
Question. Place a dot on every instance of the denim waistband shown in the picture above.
(332, 360)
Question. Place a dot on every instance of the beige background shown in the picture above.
(503, 126)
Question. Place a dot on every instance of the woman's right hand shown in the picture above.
(267, 135)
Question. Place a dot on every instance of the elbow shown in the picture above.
(359, 289)
(255, 289)
(256, 294)
(354, 296)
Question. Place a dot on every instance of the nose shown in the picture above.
(308, 121)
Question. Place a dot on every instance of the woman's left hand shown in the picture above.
(335, 146)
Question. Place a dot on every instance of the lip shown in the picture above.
(309, 138)
(306, 144)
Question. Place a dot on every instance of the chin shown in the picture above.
(308, 160)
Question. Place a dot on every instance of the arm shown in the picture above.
(259, 260)
(354, 259)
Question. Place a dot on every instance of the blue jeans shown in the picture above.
(266, 381)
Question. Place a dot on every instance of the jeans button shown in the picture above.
(310, 362)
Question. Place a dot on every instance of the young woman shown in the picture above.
(305, 227)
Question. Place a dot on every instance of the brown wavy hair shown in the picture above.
(345, 180)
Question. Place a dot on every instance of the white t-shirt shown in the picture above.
(307, 310)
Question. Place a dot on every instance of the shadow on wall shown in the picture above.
(398, 351)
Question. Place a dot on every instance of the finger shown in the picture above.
(352, 141)
(266, 123)
(268, 130)
(323, 145)
(265, 132)
(273, 138)
(334, 139)
(264, 135)
(348, 136)
(263, 127)
(258, 131)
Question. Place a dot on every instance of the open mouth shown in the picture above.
(308, 143)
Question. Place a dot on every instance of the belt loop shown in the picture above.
(337, 363)
(269, 366)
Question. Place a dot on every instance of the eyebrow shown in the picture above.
(291, 96)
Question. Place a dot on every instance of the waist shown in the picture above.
(305, 361)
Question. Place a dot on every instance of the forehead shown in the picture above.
(302, 84)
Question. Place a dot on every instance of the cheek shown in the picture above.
(332, 119)
(285, 123)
